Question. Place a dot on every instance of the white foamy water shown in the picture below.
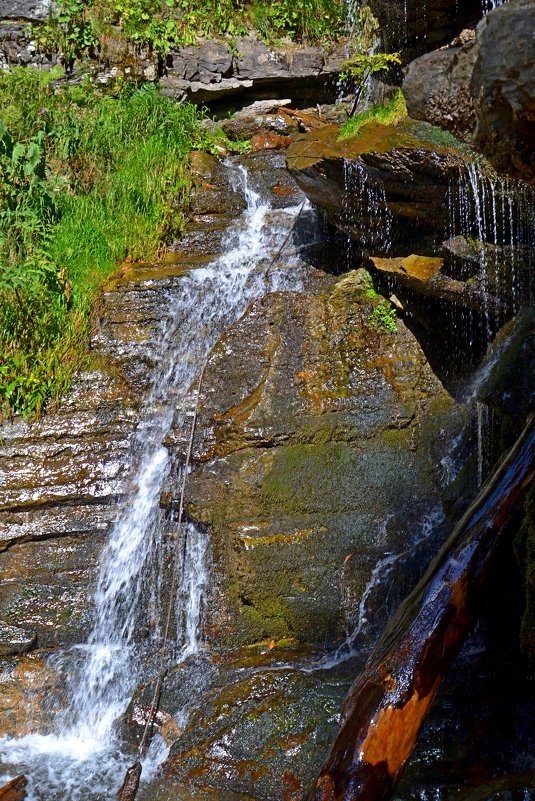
(82, 758)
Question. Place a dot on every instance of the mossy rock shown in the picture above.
(314, 435)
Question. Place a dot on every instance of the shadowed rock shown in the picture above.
(416, 27)
(386, 706)
(425, 276)
(386, 186)
(211, 70)
(484, 92)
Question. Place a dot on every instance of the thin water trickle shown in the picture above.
(375, 594)
(489, 5)
(82, 759)
(496, 216)
(365, 206)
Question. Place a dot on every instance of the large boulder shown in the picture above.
(503, 87)
(317, 412)
(61, 478)
(387, 187)
(484, 91)
(437, 89)
(260, 730)
(317, 420)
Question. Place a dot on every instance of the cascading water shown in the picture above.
(365, 200)
(497, 216)
(375, 594)
(82, 759)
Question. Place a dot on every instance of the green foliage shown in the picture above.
(311, 20)
(85, 180)
(388, 114)
(77, 27)
(361, 67)
(69, 30)
(383, 317)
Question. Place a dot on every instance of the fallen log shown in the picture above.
(387, 704)
(129, 787)
(14, 790)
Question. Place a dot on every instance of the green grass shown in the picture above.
(392, 112)
(85, 180)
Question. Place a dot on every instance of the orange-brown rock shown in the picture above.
(425, 276)
(14, 790)
(269, 141)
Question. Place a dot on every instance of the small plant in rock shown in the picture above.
(383, 318)
(359, 68)
(388, 114)
(69, 31)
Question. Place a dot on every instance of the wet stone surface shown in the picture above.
(313, 442)
(60, 480)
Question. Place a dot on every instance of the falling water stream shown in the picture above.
(81, 758)
(497, 216)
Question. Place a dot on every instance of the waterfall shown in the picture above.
(496, 214)
(364, 204)
(81, 759)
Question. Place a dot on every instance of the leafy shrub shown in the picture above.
(76, 27)
(69, 30)
(310, 20)
(362, 66)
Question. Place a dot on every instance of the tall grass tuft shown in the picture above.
(86, 179)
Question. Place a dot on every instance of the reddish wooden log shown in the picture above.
(387, 704)
(15, 790)
(129, 787)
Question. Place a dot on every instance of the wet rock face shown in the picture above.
(400, 192)
(417, 27)
(311, 433)
(259, 731)
(30, 693)
(60, 480)
(484, 92)
(138, 302)
(386, 187)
